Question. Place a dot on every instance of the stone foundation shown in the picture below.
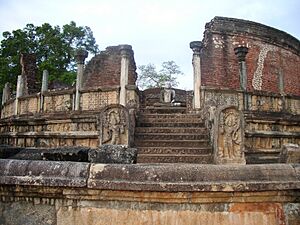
(82, 193)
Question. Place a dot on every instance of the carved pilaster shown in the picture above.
(229, 136)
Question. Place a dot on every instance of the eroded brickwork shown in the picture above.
(29, 71)
(104, 69)
(273, 61)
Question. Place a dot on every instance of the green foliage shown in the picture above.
(54, 48)
(150, 78)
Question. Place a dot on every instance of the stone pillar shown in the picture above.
(45, 81)
(80, 56)
(125, 53)
(241, 53)
(20, 92)
(196, 46)
(6, 93)
(44, 88)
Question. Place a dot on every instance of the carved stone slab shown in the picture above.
(229, 136)
(114, 125)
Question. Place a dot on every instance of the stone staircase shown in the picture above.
(169, 135)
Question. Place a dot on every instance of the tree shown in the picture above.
(54, 48)
(150, 78)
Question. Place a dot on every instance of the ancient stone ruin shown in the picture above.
(105, 152)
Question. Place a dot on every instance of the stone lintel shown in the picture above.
(137, 177)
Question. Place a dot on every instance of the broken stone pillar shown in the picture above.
(6, 93)
(196, 46)
(125, 53)
(241, 53)
(229, 136)
(44, 87)
(80, 56)
(20, 92)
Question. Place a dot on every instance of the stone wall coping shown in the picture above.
(276, 117)
(35, 95)
(255, 92)
(43, 173)
(151, 177)
(54, 117)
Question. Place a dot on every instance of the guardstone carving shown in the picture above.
(229, 143)
(114, 125)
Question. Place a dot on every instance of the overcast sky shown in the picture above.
(158, 30)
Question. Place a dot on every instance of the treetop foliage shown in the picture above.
(53, 46)
(149, 77)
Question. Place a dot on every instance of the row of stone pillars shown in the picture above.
(240, 52)
(80, 57)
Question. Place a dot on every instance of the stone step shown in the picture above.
(166, 124)
(169, 116)
(172, 143)
(261, 158)
(170, 136)
(203, 159)
(174, 150)
(169, 120)
(162, 110)
(191, 130)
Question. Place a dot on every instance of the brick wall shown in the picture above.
(273, 56)
(29, 71)
(104, 69)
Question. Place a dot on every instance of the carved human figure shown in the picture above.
(230, 135)
(114, 127)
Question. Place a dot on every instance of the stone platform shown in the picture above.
(51, 192)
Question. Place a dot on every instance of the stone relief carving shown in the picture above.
(229, 143)
(114, 125)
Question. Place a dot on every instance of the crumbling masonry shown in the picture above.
(226, 152)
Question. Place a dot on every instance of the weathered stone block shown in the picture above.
(43, 173)
(290, 153)
(113, 154)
